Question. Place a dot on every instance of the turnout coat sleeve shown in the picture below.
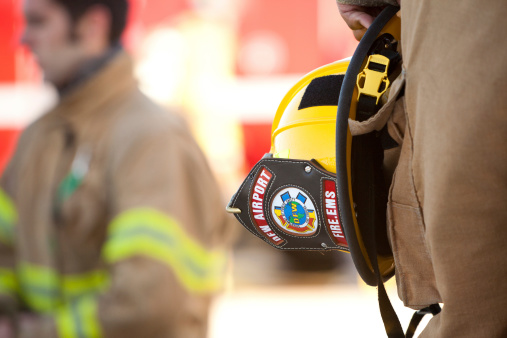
(8, 219)
(163, 244)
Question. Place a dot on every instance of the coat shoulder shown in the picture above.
(142, 121)
(142, 116)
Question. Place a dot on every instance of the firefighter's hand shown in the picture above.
(358, 18)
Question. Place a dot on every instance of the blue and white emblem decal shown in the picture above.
(294, 212)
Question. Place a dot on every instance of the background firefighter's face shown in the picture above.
(60, 44)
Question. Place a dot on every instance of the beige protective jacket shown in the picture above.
(449, 200)
(110, 220)
(447, 210)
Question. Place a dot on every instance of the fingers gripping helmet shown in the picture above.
(319, 188)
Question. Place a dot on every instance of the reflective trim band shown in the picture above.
(39, 287)
(79, 319)
(8, 218)
(89, 283)
(44, 290)
(8, 282)
(150, 233)
(72, 297)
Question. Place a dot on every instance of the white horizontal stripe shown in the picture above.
(20, 104)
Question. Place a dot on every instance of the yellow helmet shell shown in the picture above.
(307, 133)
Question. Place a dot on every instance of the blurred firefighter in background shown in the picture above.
(111, 224)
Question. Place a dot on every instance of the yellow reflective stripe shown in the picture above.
(39, 287)
(79, 319)
(91, 282)
(8, 218)
(43, 289)
(151, 233)
(8, 282)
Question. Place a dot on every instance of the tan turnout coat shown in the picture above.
(447, 212)
(111, 219)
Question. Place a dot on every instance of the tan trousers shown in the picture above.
(455, 151)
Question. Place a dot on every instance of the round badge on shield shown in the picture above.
(294, 212)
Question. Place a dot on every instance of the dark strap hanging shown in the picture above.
(418, 316)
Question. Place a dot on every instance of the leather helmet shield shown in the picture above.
(291, 205)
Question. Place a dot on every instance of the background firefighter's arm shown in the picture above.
(8, 219)
(164, 243)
